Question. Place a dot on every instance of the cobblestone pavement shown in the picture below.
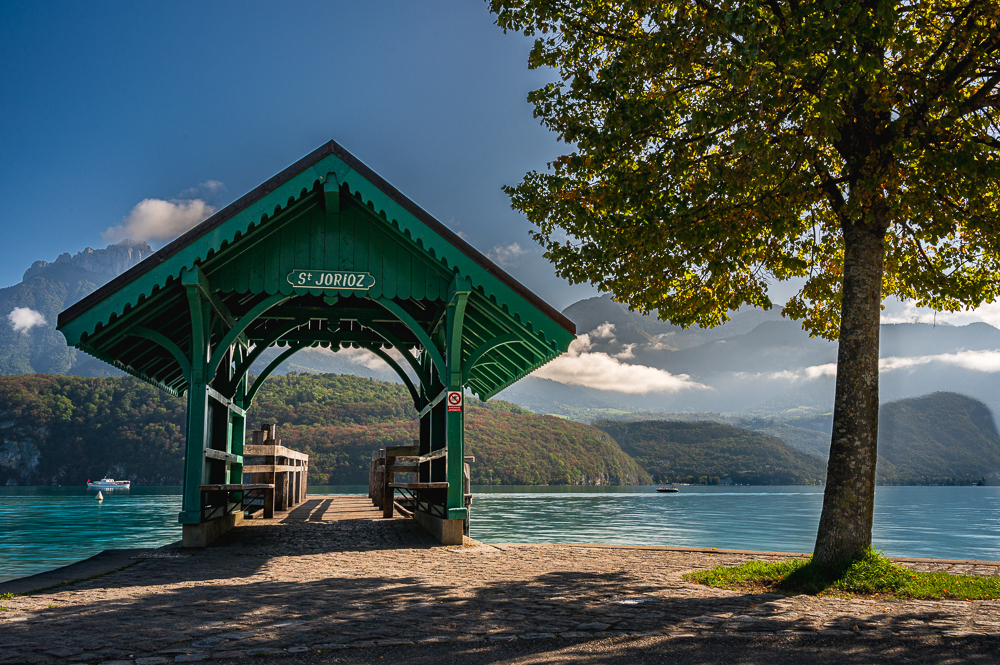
(328, 577)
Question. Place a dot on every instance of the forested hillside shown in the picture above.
(939, 439)
(711, 452)
(340, 419)
(64, 430)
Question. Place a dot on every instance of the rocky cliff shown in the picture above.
(29, 341)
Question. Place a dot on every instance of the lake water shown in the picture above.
(42, 528)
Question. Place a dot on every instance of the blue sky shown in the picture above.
(107, 104)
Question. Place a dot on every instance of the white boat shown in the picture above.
(109, 484)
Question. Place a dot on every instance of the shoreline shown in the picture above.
(333, 580)
(113, 560)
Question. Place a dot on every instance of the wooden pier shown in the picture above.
(391, 494)
(266, 461)
(325, 254)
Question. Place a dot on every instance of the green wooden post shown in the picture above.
(197, 402)
(455, 418)
(239, 433)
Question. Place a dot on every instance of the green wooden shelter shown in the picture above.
(326, 253)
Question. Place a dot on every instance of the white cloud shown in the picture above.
(908, 312)
(816, 371)
(979, 361)
(156, 219)
(366, 358)
(24, 319)
(580, 367)
(604, 331)
(626, 352)
(506, 257)
(207, 188)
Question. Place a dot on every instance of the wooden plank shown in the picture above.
(317, 240)
(345, 258)
(420, 486)
(235, 488)
(402, 451)
(271, 468)
(225, 401)
(362, 232)
(434, 454)
(223, 455)
(403, 271)
(397, 468)
(273, 451)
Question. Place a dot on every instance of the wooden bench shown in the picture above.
(221, 500)
(382, 483)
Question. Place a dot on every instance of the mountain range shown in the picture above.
(30, 343)
(757, 371)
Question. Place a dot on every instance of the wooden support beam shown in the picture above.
(421, 486)
(211, 453)
(431, 404)
(226, 402)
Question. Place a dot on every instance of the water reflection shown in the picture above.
(42, 528)
(48, 527)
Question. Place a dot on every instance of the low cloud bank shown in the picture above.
(908, 312)
(978, 361)
(582, 367)
(24, 319)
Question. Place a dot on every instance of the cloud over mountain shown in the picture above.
(156, 219)
(24, 319)
(580, 366)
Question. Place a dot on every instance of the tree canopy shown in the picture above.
(719, 145)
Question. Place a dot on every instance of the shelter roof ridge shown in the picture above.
(281, 178)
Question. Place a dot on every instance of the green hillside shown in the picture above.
(939, 439)
(710, 452)
(340, 419)
(64, 430)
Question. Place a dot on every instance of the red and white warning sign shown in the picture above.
(454, 400)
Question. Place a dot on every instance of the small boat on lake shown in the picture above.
(668, 489)
(109, 484)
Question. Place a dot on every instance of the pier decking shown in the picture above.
(333, 575)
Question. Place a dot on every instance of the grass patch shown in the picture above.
(8, 596)
(873, 576)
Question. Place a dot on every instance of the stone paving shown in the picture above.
(330, 576)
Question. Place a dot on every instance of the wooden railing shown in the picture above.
(266, 461)
(391, 496)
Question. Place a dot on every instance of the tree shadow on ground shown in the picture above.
(206, 611)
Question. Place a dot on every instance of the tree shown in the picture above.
(717, 145)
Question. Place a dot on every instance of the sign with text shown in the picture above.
(454, 400)
(331, 279)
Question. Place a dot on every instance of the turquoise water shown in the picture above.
(941, 522)
(42, 528)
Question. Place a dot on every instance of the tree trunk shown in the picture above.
(845, 526)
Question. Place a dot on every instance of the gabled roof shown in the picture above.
(140, 321)
(329, 148)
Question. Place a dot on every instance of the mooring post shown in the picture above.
(389, 477)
